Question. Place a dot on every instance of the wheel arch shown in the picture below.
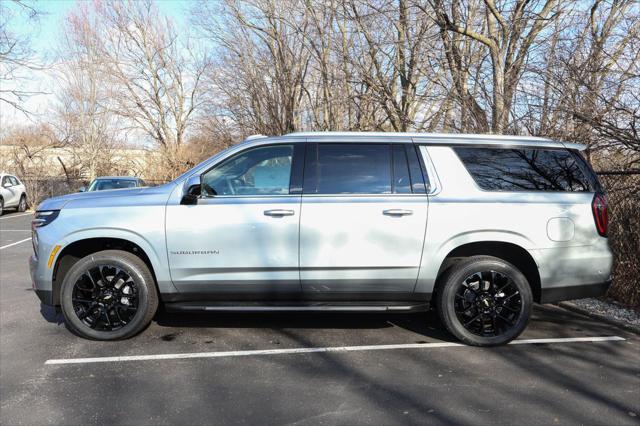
(79, 248)
(508, 251)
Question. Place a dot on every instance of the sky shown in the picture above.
(46, 31)
(44, 34)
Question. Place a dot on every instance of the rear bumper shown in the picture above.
(558, 294)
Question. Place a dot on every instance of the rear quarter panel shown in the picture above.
(556, 228)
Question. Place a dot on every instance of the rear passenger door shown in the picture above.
(363, 219)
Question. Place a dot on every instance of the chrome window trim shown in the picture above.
(434, 181)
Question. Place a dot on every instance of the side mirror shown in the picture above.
(82, 189)
(192, 190)
(7, 185)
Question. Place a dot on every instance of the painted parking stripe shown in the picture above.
(16, 243)
(15, 230)
(226, 354)
(15, 215)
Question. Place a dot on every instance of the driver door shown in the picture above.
(241, 238)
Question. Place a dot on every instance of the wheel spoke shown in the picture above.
(88, 274)
(510, 296)
(508, 321)
(472, 320)
(102, 276)
(510, 308)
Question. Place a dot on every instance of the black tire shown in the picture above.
(484, 301)
(96, 297)
(1, 206)
(22, 204)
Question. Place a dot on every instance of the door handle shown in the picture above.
(278, 212)
(397, 212)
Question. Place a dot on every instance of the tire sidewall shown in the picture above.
(22, 204)
(129, 267)
(459, 274)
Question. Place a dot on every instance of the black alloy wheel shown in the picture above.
(488, 303)
(484, 301)
(108, 295)
(105, 298)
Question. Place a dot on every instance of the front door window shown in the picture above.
(259, 171)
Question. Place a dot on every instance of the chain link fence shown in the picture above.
(623, 194)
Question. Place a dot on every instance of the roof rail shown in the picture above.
(252, 137)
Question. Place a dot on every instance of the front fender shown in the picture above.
(156, 253)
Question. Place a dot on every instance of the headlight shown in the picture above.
(43, 218)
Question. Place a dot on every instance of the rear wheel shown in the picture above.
(484, 301)
(1, 206)
(22, 205)
(109, 295)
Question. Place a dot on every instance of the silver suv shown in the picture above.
(478, 226)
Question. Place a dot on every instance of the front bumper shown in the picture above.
(41, 281)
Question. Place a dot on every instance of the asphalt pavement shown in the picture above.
(294, 368)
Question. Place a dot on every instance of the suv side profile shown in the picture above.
(13, 194)
(479, 226)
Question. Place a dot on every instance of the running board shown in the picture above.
(293, 307)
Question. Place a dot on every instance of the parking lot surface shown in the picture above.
(285, 368)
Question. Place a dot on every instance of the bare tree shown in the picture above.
(262, 65)
(16, 54)
(508, 31)
(84, 119)
(154, 77)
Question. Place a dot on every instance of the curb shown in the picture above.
(618, 323)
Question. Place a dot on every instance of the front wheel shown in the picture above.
(484, 301)
(108, 295)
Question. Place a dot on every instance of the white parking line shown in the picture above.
(313, 350)
(15, 230)
(16, 243)
(15, 215)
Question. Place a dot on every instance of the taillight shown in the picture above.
(599, 207)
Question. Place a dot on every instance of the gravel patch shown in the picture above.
(608, 309)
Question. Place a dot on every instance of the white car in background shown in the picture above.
(13, 194)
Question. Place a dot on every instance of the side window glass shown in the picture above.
(497, 169)
(350, 169)
(5, 180)
(13, 180)
(401, 179)
(258, 171)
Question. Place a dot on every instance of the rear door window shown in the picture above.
(497, 169)
(348, 169)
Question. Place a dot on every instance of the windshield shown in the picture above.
(103, 184)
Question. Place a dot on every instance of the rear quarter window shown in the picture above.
(498, 169)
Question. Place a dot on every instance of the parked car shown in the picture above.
(13, 194)
(113, 182)
(478, 226)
